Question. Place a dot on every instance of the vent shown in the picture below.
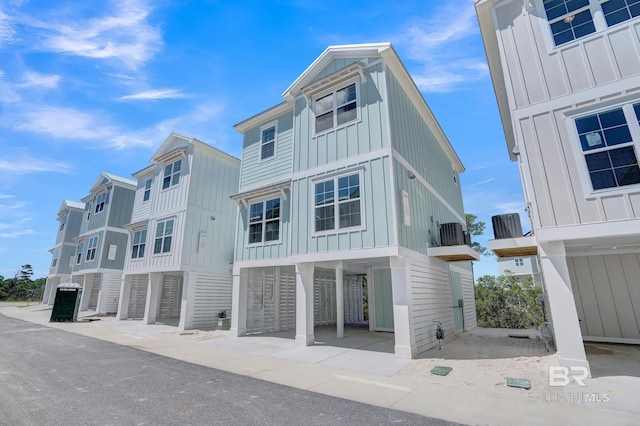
(451, 234)
(506, 226)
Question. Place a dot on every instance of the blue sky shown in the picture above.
(86, 89)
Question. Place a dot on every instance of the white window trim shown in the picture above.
(263, 200)
(144, 188)
(579, 156)
(86, 257)
(171, 186)
(63, 222)
(56, 255)
(173, 239)
(334, 89)
(335, 177)
(79, 251)
(139, 258)
(273, 124)
(97, 197)
(406, 208)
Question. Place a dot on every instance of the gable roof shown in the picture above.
(68, 204)
(176, 141)
(105, 178)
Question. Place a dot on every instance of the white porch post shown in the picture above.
(239, 303)
(405, 346)
(304, 304)
(153, 298)
(276, 299)
(562, 306)
(86, 292)
(47, 296)
(340, 301)
(370, 300)
(125, 295)
(188, 298)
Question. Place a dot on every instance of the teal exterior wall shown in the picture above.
(254, 172)
(367, 134)
(66, 251)
(121, 201)
(334, 66)
(245, 252)
(96, 262)
(120, 240)
(378, 215)
(96, 220)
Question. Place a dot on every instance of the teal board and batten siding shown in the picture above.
(120, 241)
(423, 206)
(72, 227)
(66, 252)
(335, 65)
(378, 215)
(96, 220)
(417, 144)
(245, 252)
(254, 172)
(93, 264)
(607, 294)
(367, 134)
(121, 200)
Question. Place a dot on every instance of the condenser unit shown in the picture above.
(451, 234)
(506, 226)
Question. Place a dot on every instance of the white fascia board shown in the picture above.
(263, 117)
(619, 228)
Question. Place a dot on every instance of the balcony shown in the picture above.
(509, 241)
(454, 253)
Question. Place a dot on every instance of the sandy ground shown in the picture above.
(483, 359)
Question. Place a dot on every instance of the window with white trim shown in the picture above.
(336, 108)
(346, 206)
(79, 252)
(268, 141)
(616, 11)
(100, 200)
(63, 221)
(147, 190)
(164, 234)
(139, 243)
(92, 245)
(608, 147)
(264, 221)
(519, 261)
(172, 174)
(54, 262)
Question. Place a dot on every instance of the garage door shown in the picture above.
(271, 299)
(171, 297)
(138, 296)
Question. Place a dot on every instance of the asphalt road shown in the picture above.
(52, 377)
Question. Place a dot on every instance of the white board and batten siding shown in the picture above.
(607, 296)
(111, 290)
(271, 299)
(212, 296)
(138, 296)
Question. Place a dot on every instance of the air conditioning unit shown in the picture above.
(506, 226)
(451, 234)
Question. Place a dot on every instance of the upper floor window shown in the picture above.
(171, 174)
(268, 141)
(100, 200)
(336, 108)
(63, 221)
(79, 252)
(54, 262)
(92, 245)
(346, 206)
(139, 242)
(616, 11)
(608, 147)
(147, 190)
(519, 261)
(264, 221)
(164, 234)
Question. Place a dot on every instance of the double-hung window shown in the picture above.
(616, 11)
(139, 242)
(172, 174)
(268, 141)
(100, 200)
(54, 262)
(607, 144)
(79, 252)
(336, 108)
(164, 234)
(339, 198)
(264, 221)
(147, 190)
(92, 245)
(63, 221)
(519, 261)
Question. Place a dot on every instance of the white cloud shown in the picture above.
(14, 220)
(155, 94)
(7, 29)
(24, 164)
(34, 79)
(16, 234)
(5, 196)
(440, 45)
(124, 35)
(484, 182)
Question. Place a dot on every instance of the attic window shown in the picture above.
(100, 200)
(172, 174)
(336, 108)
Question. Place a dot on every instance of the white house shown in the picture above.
(566, 75)
(64, 251)
(181, 236)
(350, 181)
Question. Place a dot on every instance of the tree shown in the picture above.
(476, 227)
(506, 302)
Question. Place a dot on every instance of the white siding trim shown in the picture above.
(344, 163)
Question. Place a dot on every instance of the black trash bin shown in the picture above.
(67, 302)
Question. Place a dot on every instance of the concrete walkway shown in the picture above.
(360, 368)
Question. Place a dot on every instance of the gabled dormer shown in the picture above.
(109, 202)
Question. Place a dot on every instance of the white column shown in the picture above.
(188, 299)
(125, 296)
(562, 306)
(239, 303)
(46, 297)
(304, 304)
(370, 302)
(405, 346)
(153, 298)
(340, 301)
(86, 292)
(276, 299)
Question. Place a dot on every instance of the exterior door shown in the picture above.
(383, 300)
(261, 300)
(458, 300)
(95, 290)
